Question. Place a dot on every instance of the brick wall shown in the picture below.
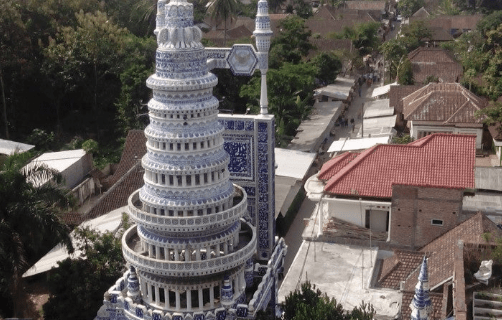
(415, 208)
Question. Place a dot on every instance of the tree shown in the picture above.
(29, 223)
(290, 92)
(14, 42)
(328, 66)
(292, 43)
(302, 9)
(364, 36)
(405, 73)
(90, 275)
(409, 7)
(393, 52)
(91, 54)
(310, 303)
(223, 10)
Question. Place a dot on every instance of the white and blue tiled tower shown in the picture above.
(192, 247)
(421, 305)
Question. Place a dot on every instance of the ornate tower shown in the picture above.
(189, 235)
(191, 251)
(421, 305)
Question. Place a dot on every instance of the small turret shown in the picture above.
(421, 305)
(263, 33)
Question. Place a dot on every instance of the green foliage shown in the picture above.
(490, 22)
(90, 146)
(492, 114)
(431, 78)
(328, 66)
(42, 140)
(405, 73)
(292, 43)
(302, 8)
(364, 36)
(224, 10)
(448, 7)
(409, 7)
(395, 50)
(310, 303)
(29, 223)
(480, 53)
(290, 93)
(90, 275)
(402, 140)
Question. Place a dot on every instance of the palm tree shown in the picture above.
(223, 10)
(29, 224)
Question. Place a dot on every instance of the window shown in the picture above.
(437, 222)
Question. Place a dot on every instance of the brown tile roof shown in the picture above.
(496, 132)
(117, 196)
(447, 23)
(397, 268)
(127, 178)
(134, 149)
(441, 250)
(421, 13)
(437, 305)
(439, 34)
(397, 93)
(366, 5)
(327, 45)
(444, 102)
(328, 20)
(429, 61)
(72, 219)
(431, 55)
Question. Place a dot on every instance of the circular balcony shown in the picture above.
(190, 224)
(244, 251)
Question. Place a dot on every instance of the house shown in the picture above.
(73, 165)
(378, 120)
(446, 256)
(376, 9)
(443, 107)
(454, 25)
(496, 135)
(437, 62)
(411, 193)
(396, 95)
(328, 20)
(9, 147)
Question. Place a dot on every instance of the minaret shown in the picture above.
(421, 305)
(263, 33)
(190, 245)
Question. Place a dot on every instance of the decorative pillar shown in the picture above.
(421, 306)
(263, 33)
(133, 291)
(227, 293)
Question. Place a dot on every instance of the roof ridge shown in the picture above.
(418, 101)
(352, 164)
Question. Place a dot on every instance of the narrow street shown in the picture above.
(354, 111)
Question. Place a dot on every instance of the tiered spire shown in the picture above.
(421, 306)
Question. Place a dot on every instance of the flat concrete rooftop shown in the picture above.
(344, 272)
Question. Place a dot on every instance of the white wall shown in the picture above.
(352, 211)
(414, 130)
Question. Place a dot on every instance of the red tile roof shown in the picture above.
(444, 102)
(437, 160)
(335, 164)
(441, 250)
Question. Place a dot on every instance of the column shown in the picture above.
(166, 297)
(197, 254)
(178, 302)
(176, 255)
(157, 296)
(201, 299)
(225, 248)
(189, 299)
(211, 296)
